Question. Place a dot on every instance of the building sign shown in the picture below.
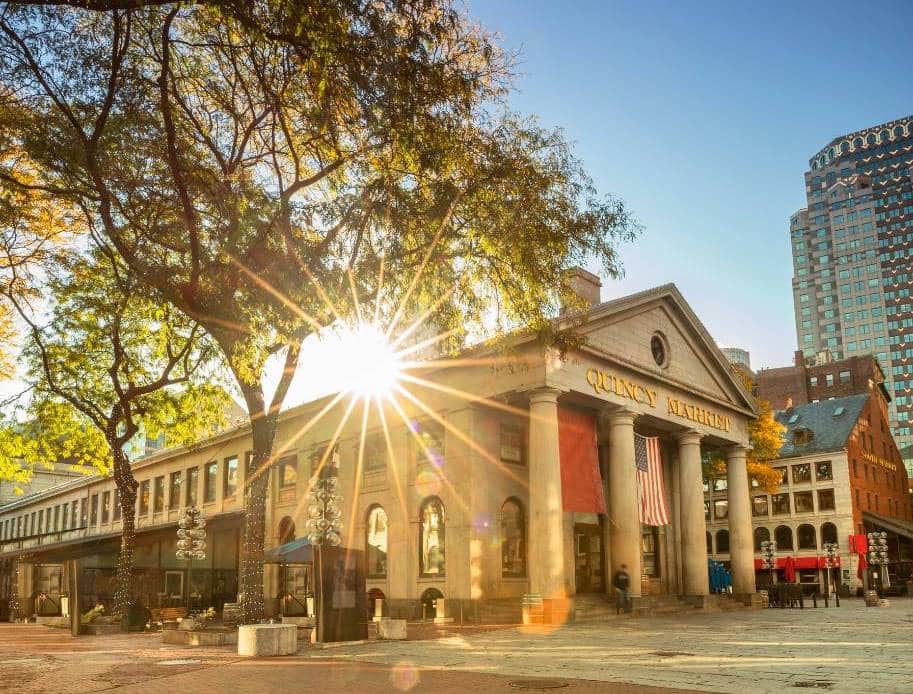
(602, 382)
(874, 459)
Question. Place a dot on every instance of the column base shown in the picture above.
(752, 600)
(557, 611)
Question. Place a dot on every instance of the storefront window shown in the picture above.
(376, 541)
(432, 537)
(779, 504)
(513, 532)
(825, 499)
(759, 506)
(802, 473)
(803, 503)
(823, 471)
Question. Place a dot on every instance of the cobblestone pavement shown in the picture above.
(850, 649)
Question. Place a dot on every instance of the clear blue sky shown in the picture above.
(702, 116)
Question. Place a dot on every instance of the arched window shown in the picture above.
(760, 535)
(884, 136)
(870, 139)
(783, 536)
(828, 533)
(709, 543)
(898, 131)
(722, 541)
(857, 142)
(805, 534)
(431, 537)
(513, 540)
(376, 541)
(844, 146)
(286, 530)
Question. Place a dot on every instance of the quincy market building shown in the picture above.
(507, 479)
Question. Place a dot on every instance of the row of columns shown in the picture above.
(548, 571)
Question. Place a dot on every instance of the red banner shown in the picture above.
(799, 563)
(581, 484)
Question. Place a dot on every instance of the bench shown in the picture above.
(167, 614)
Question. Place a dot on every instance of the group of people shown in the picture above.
(720, 582)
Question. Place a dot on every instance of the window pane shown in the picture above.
(759, 506)
(231, 476)
(288, 468)
(117, 506)
(376, 540)
(512, 440)
(174, 491)
(513, 557)
(375, 459)
(806, 537)
(210, 473)
(144, 497)
(429, 438)
(158, 495)
(721, 508)
(803, 502)
(780, 504)
(193, 485)
(823, 470)
(825, 499)
(93, 517)
(802, 473)
(432, 538)
(105, 507)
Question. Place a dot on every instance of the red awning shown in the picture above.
(798, 563)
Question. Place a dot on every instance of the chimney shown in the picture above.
(584, 285)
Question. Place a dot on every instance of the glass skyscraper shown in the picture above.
(853, 258)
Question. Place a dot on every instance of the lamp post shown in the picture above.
(878, 554)
(191, 543)
(324, 526)
(830, 561)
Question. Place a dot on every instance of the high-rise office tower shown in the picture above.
(853, 259)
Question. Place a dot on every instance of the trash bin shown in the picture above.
(533, 611)
(764, 598)
(871, 598)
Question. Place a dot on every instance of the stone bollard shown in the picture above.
(871, 598)
(391, 629)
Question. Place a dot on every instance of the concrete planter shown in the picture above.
(267, 640)
(202, 637)
(101, 629)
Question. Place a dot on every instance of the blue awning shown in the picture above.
(294, 552)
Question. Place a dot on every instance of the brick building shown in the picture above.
(820, 378)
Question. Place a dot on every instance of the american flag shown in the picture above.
(650, 486)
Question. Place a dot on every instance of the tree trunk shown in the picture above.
(250, 582)
(126, 489)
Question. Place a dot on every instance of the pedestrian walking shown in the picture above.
(622, 583)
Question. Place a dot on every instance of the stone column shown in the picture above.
(741, 540)
(546, 512)
(624, 519)
(694, 527)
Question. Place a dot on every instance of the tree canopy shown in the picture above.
(270, 167)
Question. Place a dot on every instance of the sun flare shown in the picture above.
(376, 371)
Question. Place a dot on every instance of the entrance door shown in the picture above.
(588, 554)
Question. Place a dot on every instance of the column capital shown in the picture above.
(618, 416)
(689, 437)
(544, 394)
(736, 451)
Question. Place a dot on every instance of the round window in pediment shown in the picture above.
(659, 347)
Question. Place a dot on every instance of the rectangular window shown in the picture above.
(230, 478)
(784, 475)
(158, 494)
(144, 497)
(288, 472)
(802, 473)
(844, 376)
(707, 511)
(512, 440)
(780, 504)
(210, 473)
(803, 503)
(105, 507)
(375, 453)
(429, 438)
(93, 516)
(41, 521)
(826, 500)
(759, 506)
(720, 508)
(74, 514)
(174, 490)
(823, 471)
(56, 519)
(193, 484)
(117, 508)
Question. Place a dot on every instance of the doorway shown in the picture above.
(590, 577)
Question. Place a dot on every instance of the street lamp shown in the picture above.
(830, 559)
(191, 543)
(324, 526)
(878, 554)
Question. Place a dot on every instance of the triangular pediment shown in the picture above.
(621, 331)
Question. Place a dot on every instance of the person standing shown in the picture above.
(622, 584)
